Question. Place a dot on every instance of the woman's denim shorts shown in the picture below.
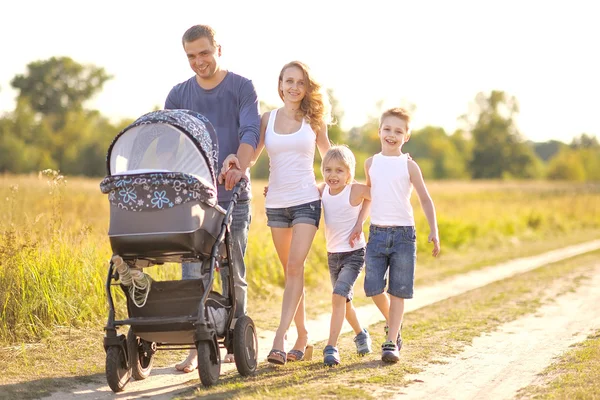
(308, 213)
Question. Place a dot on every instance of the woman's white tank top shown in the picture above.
(340, 218)
(291, 174)
(391, 189)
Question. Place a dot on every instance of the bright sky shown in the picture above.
(436, 55)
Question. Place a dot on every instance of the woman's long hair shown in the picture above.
(314, 107)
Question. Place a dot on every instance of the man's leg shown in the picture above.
(240, 226)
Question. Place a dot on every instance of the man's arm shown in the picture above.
(249, 134)
(171, 103)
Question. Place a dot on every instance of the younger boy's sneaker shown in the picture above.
(331, 356)
(390, 352)
(363, 342)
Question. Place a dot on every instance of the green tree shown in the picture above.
(25, 141)
(334, 131)
(498, 149)
(436, 154)
(84, 140)
(547, 150)
(49, 127)
(566, 165)
(58, 85)
(585, 141)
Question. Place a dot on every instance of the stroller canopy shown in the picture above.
(166, 141)
(164, 159)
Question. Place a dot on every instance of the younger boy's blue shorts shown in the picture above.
(344, 269)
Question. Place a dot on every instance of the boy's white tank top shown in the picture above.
(291, 157)
(391, 189)
(340, 218)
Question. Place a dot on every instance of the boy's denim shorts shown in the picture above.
(391, 252)
(307, 213)
(344, 269)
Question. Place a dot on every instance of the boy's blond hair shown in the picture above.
(342, 154)
(397, 112)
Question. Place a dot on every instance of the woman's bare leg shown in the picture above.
(302, 236)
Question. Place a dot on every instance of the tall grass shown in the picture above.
(54, 249)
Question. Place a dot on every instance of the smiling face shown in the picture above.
(203, 57)
(292, 85)
(336, 174)
(393, 133)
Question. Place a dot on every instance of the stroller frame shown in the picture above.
(131, 354)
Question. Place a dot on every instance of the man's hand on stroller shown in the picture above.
(233, 176)
(231, 172)
(229, 162)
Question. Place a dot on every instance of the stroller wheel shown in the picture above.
(209, 361)
(117, 373)
(245, 346)
(139, 358)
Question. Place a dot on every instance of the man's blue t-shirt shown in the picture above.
(231, 107)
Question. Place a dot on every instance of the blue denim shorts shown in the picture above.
(308, 213)
(344, 269)
(391, 252)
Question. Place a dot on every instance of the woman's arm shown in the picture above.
(323, 143)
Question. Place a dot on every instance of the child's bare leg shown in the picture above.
(382, 301)
(352, 318)
(338, 312)
(395, 317)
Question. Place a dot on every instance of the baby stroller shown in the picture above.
(163, 208)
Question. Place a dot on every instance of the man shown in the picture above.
(230, 103)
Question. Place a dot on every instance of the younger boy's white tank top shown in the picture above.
(340, 218)
(291, 157)
(391, 189)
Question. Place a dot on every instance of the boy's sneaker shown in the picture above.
(398, 338)
(390, 352)
(331, 356)
(363, 342)
(399, 342)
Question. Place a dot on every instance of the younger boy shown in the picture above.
(391, 250)
(342, 202)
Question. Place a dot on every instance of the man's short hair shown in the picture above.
(199, 31)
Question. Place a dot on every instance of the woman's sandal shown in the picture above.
(277, 357)
(299, 355)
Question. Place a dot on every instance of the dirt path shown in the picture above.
(166, 382)
(498, 364)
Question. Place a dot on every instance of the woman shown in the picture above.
(292, 202)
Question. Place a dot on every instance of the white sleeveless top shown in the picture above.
(340, 218)
(291, 157)
(391, 189)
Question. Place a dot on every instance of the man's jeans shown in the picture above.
(239, 235)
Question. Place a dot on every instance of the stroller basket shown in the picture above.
(172, 299)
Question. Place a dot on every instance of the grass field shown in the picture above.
(54, 245)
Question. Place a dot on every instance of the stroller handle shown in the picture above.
(239, 187)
